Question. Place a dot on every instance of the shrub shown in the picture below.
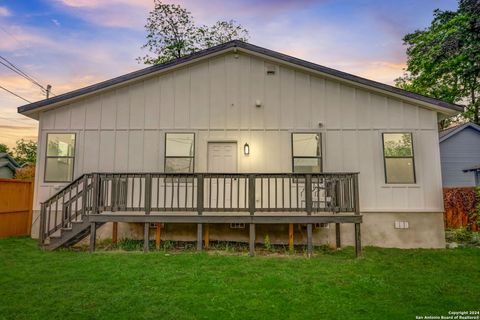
(462, 207)
(267, 243)
(25, 173)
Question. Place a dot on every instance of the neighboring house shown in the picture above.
(460, 155)
(259, 140)
(8, 166)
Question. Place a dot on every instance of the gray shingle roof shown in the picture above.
(12, 161)
(447, 133)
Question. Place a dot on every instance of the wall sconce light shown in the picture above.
(246, 149)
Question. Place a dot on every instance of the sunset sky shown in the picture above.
(74, 43)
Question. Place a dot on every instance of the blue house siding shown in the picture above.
(458, 152)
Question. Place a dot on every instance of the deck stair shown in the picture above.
(69, 236)
(64, 216)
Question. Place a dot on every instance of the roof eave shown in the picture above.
(431, 103)
(32, 110)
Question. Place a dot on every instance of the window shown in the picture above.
(398, 158)
(306, 152)
(179, 152)
(60, 157)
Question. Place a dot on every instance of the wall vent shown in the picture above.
(237, 225)
(271, 69)
(401, 225)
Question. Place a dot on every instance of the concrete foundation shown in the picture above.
(425, 230)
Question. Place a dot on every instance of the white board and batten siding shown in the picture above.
(123, 130)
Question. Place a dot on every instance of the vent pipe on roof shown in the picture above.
(49, 88)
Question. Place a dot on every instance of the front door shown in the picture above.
(222, 158)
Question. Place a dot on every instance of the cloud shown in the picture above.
(20, 86)
(80, 3)
(4, 12)
(132, 14)
(55, 22)
(115, 13)
(21, 37)
(246, 8)
(103, 3)
(381, 71)
(10, 134)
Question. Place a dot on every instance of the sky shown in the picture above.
(70, 44)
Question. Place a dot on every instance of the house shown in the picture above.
(460, 155)
(237, 142)
(8, 166)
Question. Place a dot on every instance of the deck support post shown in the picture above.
(93, 236)
(290, 238)
(200, 208)
(157, 236)
(358, 241)
(251, 209)
(309, 209)
(148, 207)
(115, 233)
(146, 235)
(358, 237)
(338, 240)
(309, 240)
(206, 236)
(252, 240)
(43, 219)
(199, 236)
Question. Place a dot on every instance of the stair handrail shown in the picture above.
(65, 187)
(43, 233)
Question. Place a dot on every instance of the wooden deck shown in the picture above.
(202, 198)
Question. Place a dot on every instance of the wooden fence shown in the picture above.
(16, 197)
(460, 208)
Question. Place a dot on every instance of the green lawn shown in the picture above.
(384, 284)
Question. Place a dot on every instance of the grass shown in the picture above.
(384, 284)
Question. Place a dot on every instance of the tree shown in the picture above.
(172, 34)
(444, 59)
(4, 148)
(25, 151)
(220, 32)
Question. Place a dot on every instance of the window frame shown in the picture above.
(59, 157)
(320, 157)
(403, 157)
(178, 157)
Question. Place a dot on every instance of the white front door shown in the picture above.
(222, 157)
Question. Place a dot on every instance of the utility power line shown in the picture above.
(23, 74)
(15, 69)
(16, 95)
(11, 35)
(20, 72)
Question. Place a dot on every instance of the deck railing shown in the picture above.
(200, 193)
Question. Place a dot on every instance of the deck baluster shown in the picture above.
(100, 192)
